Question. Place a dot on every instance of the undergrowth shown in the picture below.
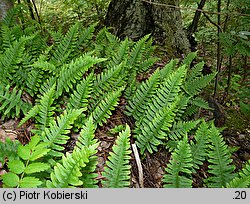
(75, 85)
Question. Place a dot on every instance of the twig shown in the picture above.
(138, 162)
(204, 11)
(207, 17)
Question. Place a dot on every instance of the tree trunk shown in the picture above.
(5, 5)
(136, 18)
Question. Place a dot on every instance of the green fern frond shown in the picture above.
(87, 134)
(195, 71)
(242, 180)
(167, 70)
(67, 173)
(143, 96)
(137, 53)
(200, 102)
(11, 103)
(10, 58)
(86, 35)
(117, 171)
(12, 14)
(189, 58)
(56, 134)
(7, 37)
(66, 46)
(121, 54)
(199, 145)
(86, 139)
(179, 170)
(108, 80)
(152, 130)
(74, 71)
(103, 110)
(8, 150)
(79, 98)
(181, 128)
(220, 162)
(193, 87)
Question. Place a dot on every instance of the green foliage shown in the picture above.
(73, 82)
(68, 172)
(242, 180)
(117, 171)
(219, 158)
(8, 150)
(11, 103)
(21, 170)
(180, 163)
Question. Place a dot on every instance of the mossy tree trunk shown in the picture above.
(136, 18)
(5, 5)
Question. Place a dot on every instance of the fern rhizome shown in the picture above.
(76, 84)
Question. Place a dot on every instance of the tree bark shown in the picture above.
(136, 18)
(5, 5)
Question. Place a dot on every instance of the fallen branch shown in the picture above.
(139, 166)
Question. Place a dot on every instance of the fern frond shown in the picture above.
(86, 139)
(11, 103)
(167, 70)
(137, 52)
(87, 134)
(8, 150)
(200, 102)
(108, 80)
(242, 180)
(194, 86)
(199, 145)
(181, 128)
(103, 110)
(79, 98)
(121, 54)
(195, 71)
(56, 134)
(220, 162)
(117, 171)
(179, 174)
(152, 130)
(68, 172)
(143, 96)
(10, 58)
(66, 46)
(189, 58)
(74, 71)
(7, 37)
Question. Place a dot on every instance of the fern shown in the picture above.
(86, 139)
(153, 130)
(117, 170)
(199, 145)
(143, 96)
(242, 180)
(11, 103)
(56, 134)
(219, 158)
(22, 170)
(74, 71)
(66, 46)
(103, 110)
(194, 86)
(179, 169)
(43, 111)
(68, 172)
(8, 150)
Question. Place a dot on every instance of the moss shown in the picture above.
(237, 121)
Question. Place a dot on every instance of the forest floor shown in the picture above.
(153, 164)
